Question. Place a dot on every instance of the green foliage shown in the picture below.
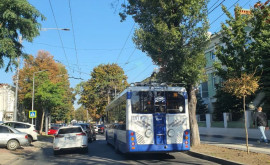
(17, 18)
(173, 34)
(98, 91)
(261, 34)
(226, 102)
(201, 107)
(235, 53)
(48, 94)
(81, 114)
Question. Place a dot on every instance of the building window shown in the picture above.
(212, 55)
(204, 89)
(214, 81)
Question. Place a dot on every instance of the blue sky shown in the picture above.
(99, 35)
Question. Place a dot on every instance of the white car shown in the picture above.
(24, 127)
(96, 128)
(70, 137)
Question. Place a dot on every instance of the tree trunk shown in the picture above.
(194, 130)
(244, 103)
(42, 121)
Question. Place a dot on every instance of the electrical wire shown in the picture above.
(213, 5)
(233, 5)
(223, 13)
(82, 49)
(74, 40)
(125, 42)
(141, 72)
(58, 32)
(216, 7)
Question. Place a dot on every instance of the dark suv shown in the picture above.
(89, 129)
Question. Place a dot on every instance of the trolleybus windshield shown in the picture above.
(148, 102)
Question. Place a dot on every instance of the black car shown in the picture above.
(101, 129)
(89, 129)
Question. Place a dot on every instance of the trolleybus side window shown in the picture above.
(117, 116)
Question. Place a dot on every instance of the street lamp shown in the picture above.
(46, 29)
(33, 94)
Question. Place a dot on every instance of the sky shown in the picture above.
(97, 37)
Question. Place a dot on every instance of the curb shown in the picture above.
(211, 158)
(229, 137)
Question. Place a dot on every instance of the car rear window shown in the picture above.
(70, 130)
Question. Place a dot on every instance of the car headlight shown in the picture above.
(171, 133)
(148, 133)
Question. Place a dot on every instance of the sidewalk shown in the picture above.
(234, 138)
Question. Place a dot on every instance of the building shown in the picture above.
(207, 88)
(7, 98)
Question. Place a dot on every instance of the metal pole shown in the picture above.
(17, 85)
(33, 94)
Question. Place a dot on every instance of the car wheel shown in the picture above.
(13, 145)
(116, 149)
(30, 139)
(56, 152)
(85, 150)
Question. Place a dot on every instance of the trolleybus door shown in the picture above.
(160, 118)
(160, 128)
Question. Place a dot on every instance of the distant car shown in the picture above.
(101, 129)
(70, 137)
(12, 138)
(88, 128)
(96, 128)
(24, 127)
(53, 130)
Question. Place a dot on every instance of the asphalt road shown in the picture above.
(101, 153)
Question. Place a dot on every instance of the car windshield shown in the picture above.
(70, 130)
(55, 128)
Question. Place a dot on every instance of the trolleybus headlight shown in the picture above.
(148, 133)
(171, 133)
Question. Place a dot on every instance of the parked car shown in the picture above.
(70, 137)
(88, 128)
(12, 138)
(24, 127)
(101, 129)
(53, 130)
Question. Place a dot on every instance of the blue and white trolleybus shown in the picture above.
(149, 119)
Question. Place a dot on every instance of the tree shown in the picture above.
(236, 55)
(226, 102)
(106, 81)
(81, 114)
(55, 76)
(235, 52)
(48, 96)
(174, 34)
(17, 18)
(242, 87)
(260, 20)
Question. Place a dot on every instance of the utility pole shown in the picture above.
(17, 85)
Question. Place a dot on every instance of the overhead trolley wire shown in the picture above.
(58, 32)
(216, 7)
(74, 40)
(125, 42)
(213, 5)
(223, 13)
(142, 72)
